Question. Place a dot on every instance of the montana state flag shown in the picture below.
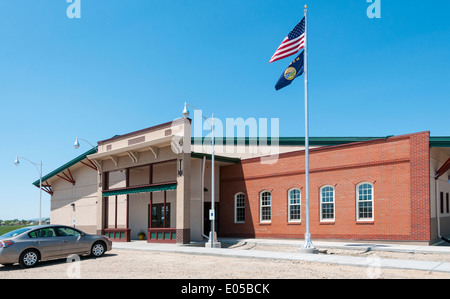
(294, 70)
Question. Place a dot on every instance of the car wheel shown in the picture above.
(98, 249)
(29, 258)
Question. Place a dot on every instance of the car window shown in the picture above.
(15, 232)
(66, 231)
(48, 232)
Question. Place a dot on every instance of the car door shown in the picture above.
(73, 241)
(46, 241)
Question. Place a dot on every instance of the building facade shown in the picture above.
(158, 181)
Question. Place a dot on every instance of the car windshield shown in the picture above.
(14, 233)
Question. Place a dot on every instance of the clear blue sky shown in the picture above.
(127, 65)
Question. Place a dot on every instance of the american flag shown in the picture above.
(292, 43)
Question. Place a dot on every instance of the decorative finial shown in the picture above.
(185, 111)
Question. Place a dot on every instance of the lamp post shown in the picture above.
(212, 235)
(17, 162)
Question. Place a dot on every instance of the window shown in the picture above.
(265, 200)
(446, 201)
(43, 233)
(327, 203)
(364, 201)
(239, 208)
(16, 232)
(294, 205)
(66, 232)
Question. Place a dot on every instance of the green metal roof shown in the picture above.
(131, 190)
(65, 166)
(283, 140)
(216, 158)
(440, 141)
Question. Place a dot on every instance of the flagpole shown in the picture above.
(307, 245)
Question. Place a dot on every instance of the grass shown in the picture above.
(8, 228)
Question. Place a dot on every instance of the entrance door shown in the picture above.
(207, 222)
(159, 218)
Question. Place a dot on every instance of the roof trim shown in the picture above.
(143, 131)
(66, 166)
(216, 158)
(440, 141)
(282, 140)
(435, 141)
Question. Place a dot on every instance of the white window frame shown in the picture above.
(294, 204)
(261, 206)
(322, 203)
(240, 207)
(358, 201)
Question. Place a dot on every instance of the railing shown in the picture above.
(117, 234)
(161, 235)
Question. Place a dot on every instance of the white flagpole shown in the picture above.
(307, 245)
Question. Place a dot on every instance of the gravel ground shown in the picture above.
(134, 264)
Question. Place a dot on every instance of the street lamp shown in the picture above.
(76, 144)
(17, 162)
(212, 234)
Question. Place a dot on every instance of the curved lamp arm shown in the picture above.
(17, 162)
(76, 144)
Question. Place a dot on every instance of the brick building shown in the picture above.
(372, 190)
(158, 180)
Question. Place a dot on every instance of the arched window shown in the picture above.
(364, 201)
(265, 206)
(294, 200)
(327, 203)
(239, 208)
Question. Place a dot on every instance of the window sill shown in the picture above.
(265, 223)
(294, 222)
(362, 222)
(327, 223)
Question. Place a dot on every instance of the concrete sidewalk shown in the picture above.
(350, 245)
(200, 249)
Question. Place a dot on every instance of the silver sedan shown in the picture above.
(31, 244)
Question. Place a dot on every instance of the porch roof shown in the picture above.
(141, 189)
(66, 166)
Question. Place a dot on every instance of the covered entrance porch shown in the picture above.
(148, 211)
(144, 184)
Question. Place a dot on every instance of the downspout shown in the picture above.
(202, 194)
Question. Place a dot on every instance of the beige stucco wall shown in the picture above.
(83, 195)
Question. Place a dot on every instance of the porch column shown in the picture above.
(181, 145)
(100, 205)
(183, 229)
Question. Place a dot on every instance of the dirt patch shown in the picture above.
(134, 264)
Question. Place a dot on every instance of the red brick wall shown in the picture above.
(398, 168)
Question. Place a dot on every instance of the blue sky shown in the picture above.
(127, 65)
